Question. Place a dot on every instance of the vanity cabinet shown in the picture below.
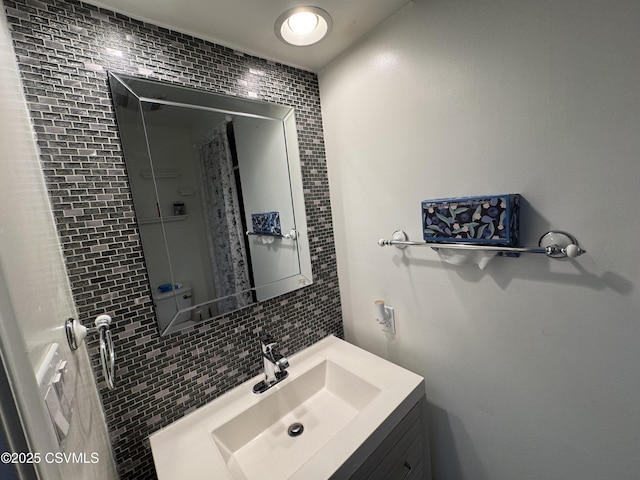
(364, 418)
(402, 455)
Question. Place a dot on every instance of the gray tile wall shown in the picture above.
(64, 49)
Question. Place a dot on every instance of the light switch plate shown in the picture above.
(56, 390)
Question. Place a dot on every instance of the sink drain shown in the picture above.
(295, 429)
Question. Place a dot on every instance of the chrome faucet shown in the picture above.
(275, 364)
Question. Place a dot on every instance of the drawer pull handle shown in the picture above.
(407, 465)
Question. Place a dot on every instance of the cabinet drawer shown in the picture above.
(404, 461)
(400, 456)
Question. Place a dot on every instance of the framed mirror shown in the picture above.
(218, 197)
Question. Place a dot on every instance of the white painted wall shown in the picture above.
(35, 296)
(264, 175)
(532, 366)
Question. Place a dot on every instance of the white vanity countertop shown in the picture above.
(186, 449)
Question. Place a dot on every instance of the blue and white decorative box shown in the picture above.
(486, 220)
(267, 223)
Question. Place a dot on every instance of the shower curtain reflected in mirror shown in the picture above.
(224, 216)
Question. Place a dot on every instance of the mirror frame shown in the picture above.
(177, 95)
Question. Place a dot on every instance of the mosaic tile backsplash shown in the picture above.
(64, 49)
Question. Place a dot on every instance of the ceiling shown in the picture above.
(248, 25)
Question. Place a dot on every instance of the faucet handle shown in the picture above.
(266, 339)
(282, 363)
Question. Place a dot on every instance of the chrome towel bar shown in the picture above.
(554, 244)
(289, 236)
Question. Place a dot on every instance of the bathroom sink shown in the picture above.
(315, 405)
(329, 409)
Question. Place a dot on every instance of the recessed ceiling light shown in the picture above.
(303, 22)
(302, 26)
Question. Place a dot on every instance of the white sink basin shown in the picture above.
(256, 443)
(339, 393)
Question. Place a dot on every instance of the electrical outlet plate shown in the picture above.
(389, 325)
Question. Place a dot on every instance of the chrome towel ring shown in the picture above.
(76, 333)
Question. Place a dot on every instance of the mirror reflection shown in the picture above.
(218, 198)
